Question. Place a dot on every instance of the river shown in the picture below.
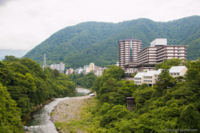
(42, 123)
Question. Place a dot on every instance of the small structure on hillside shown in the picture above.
(130, 102)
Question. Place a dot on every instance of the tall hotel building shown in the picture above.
(147, 58)
(128, 52)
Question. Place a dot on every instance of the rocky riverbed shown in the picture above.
(68, 110)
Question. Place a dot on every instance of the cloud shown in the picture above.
(26, 23)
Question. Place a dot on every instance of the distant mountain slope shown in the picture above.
(98, 42)
(16, 53)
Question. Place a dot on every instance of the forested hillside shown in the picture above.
(171, 105)
(86, 81)
(23, 85)
(98, 42)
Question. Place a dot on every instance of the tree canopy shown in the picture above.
(23, 85)
(86, 81)
(169, 104)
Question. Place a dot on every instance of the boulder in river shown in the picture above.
(33, 117)
(53, 99)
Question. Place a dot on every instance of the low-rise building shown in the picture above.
(78, 71)
(92, 67)
(86, 69)
(139, 78)
(151, 77)
(98, 72)
(58, 66)
(176, 71)
(69, 71)
(97, 68)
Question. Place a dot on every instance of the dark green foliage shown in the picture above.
(165, 81)
(170, 104)
(189, 118)
(193, 49)
(27, 86)
(98, 42)
(10, 121)
(86, 81)
(167, 64)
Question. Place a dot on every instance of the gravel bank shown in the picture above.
(69, 109)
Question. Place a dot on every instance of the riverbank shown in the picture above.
(36, 108)
(42, 122)
(69, 111)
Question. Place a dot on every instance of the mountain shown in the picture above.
(98, 41)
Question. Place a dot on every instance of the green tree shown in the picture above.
(165, 81)
(167, 64)
(10, 121)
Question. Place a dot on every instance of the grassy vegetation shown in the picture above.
(51, 113)
(86, 122)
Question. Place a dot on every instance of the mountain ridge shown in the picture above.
(98, 41)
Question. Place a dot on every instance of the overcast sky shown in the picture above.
(26, 23)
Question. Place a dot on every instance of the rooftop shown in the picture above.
(150, 73)
(131, 38)
(176, 69)
(140, 75)
(158, 72)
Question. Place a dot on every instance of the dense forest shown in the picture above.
(85, 81)
(172, 104)
(23, 85)
(98, 42)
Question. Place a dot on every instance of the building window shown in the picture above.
(174, 73)
(130, 51)
(177, 73)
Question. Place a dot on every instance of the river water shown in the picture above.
(42, 123)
